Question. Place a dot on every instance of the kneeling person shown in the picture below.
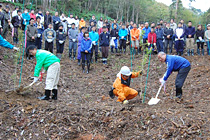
(50, 63)
(122, 85)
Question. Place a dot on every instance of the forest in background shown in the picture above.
(123, 10)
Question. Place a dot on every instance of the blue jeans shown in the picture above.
(208, 47)
(159, 45)
(72, 46)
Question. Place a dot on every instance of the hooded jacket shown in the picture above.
(135, 32)
(31, 31)
(86, 45)
(152, 38)
(94, 36)
(82, 23)
(26, 18)
(123, 32)
(146, 32)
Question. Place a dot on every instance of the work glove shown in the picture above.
(148, 44)
(43, 71)
(125, 102)
(56, 22)
(141, 72)
(200, 38)
(113, 38)
(154, 44)
(61, 41)
(49, 40)
(35, 79)
(122, 37)
(16, 49)
(11, 26)
(74, 40)
(162, 81)
(134, 37)
(69, 26)
(94, 43)
(38, 35)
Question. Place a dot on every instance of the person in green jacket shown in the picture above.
(51, 64)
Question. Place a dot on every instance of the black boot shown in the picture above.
(188, 52)
(179, 93)
(124, 51)
(55, 93)
(96, 59)
(120, 51)
(88, 67)
(46, 96)
(83, 67)
(79, 62)
(74, 56)
(198, 51)
(192, 52)
(70, 56)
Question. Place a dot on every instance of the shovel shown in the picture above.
(155, 100)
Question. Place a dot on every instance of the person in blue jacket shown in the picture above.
(94, 37)
(159, 35)
(40, 29)
(26, 17)
(86, 46)
(146, 30)
(175, 63)
(6, 44)
(123, 37)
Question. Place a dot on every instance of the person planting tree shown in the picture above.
(121, 87)
(175, 63)
(51, 64)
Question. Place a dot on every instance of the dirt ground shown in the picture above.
(84, 110)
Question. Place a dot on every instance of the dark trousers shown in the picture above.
(39, 43)
(49, 46)
(87, 55)
(159, 45)
(94, 48)
(27, 45)
(179, 46)
(200, 45)
(145, 42)
(105, 52)
(122, 44)
(15, 37)
(181, 76)
(170, 43)
(59, 47)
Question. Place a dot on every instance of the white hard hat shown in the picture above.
(125, 71)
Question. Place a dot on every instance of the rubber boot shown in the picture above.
(203, 52)
(188, 52)
(198, 51)
(181, 53)
(139, 50)
(96, 59)
(192, 52)
(46, 96)
(70, 56)
(179, 93)
(54, 94)
(79, 62)
(83, 67)
(116, 51)
(105, 62)
(74, 56)
(124, 51)
(91, 61)
(88, 67)
(120, 51)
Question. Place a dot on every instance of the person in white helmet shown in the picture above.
(121, 87)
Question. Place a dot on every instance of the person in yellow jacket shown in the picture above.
(121, 86)
(82, 23)
(51, 64)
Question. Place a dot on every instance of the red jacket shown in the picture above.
(32, 16)
(151, 37)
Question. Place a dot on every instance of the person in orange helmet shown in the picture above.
(121, 87)
(135, 33)
(82, 23)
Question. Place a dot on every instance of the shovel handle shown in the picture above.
(159, 91)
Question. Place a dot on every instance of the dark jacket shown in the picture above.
(190, 31)
(47, 20)
(31, 31)
(40, 29)
(86, 45)
(159, 33)
(60, 35)
(114, 33)
(16, 22)
(200, 33)
(93, 20)
(168, 31)
(6, 18)
(104, 39)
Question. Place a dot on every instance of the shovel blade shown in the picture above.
(153, 101)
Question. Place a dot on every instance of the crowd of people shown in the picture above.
(89, 38)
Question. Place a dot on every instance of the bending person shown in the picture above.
(175, 63)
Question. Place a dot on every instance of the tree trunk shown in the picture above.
(137, 17)
(177, 6)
